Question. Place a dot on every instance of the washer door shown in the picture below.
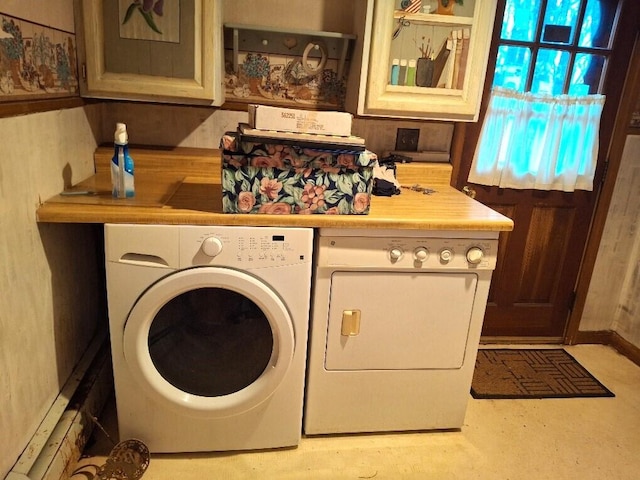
(209, 341)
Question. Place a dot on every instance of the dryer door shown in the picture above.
(209, 341)
(413, 321)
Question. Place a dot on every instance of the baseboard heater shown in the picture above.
(58, 443)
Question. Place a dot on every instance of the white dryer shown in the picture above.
(208, 333)
(397, 317)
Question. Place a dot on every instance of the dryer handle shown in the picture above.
(350, 323)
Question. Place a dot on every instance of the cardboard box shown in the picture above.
(264, 117)
(286, 179)
(307, 140)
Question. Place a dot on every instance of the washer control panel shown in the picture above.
(244, 247)
(415, 253)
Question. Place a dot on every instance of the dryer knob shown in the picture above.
(395, 254)
(211, 246)
(420, 254)
(475, 255)
(446, 255)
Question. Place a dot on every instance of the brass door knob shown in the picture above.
(468, 191)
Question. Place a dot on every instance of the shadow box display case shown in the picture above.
(425, 59)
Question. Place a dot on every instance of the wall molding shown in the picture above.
(613, 339)
(13, 109)
(56, 447)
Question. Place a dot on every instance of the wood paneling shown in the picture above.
(503, 247)
(530, 294)
(11, 109)
(545, 249)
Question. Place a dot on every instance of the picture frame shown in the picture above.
(118, 66)
(36, 62)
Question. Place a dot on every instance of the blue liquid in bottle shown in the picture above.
(395, 71)
(122, 165)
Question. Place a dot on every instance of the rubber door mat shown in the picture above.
(532, 373)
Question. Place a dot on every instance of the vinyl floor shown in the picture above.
(578, 438)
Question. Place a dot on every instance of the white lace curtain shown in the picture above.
(537, 141)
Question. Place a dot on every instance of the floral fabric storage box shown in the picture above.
(289, 179)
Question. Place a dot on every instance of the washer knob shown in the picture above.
(475, 255)
(211, 246)
(421, 254)
(395, 253)
(446, 255)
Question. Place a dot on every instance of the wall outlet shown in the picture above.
(407, 139)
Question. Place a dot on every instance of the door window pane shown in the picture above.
(520, 20)
(560, 21)
(210, 342)
(550, 71)
(512, 67)
(598, 23)
(587, 74)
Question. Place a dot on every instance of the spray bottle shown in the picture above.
(122, 165)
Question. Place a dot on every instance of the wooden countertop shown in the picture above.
(182, 186)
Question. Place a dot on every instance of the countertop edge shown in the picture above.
(66, 213)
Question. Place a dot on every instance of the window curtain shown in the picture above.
(538, 141)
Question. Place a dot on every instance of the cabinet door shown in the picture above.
(171, 53)
(425, 65)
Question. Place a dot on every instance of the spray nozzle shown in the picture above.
(121, 137)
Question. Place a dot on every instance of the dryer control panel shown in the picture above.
(410, 252)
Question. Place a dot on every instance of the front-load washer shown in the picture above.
(208, 328)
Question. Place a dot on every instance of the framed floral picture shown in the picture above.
(152, 20)
(36, 62)
(152, 50)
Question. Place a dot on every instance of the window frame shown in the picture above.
(572, 48)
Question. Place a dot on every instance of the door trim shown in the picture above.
(614, 157)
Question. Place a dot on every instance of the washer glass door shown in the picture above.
(209, 341)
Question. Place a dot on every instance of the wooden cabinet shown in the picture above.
(425, 65)
(171, 53)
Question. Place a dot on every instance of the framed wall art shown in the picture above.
(36, 62)
(151, 50)
(286, 67)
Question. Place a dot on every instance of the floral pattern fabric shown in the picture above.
(282, 179)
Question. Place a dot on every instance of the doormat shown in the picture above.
(532, 373)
